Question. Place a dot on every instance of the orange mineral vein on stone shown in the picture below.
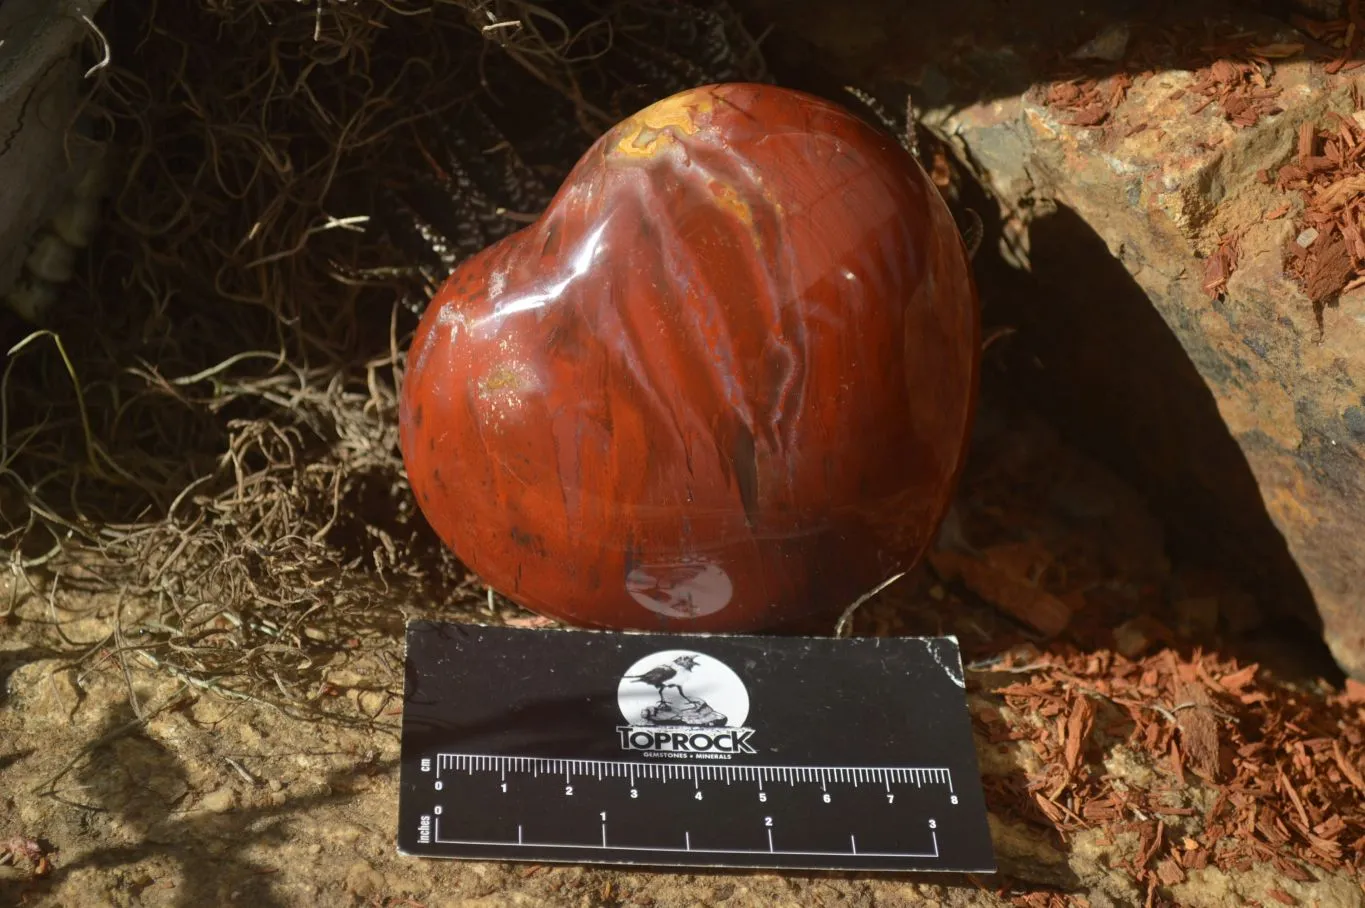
(723, 383)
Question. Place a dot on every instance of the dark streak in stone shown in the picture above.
(746, 472)
(527, 541)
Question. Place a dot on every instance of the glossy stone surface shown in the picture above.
(724, 383)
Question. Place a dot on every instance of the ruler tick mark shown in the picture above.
(853, 840)
(770, 840)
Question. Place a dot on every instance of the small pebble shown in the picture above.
(220, 801)
(363, 880)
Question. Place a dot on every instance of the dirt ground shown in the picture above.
(126, 786)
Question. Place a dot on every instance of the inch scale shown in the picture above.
(688, 751)
(554, 809)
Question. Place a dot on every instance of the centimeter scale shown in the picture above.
(689, 750)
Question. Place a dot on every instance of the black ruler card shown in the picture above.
(689, 750)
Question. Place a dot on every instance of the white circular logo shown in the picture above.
(689, 588)
(682, 687)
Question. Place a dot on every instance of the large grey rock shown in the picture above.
(1287, 389)
(1241, 415)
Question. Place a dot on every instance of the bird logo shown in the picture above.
(667, 675)
(675, 705)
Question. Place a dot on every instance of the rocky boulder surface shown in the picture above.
(1180, 187)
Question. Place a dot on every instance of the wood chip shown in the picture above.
(1327, 270)
(1277, 51)
(1239, 89)
(1078, 725)
(1000, 579)
(1087, 102)
(1170, 872)
(1329, 176)
(1219, 266)
(1199, 730)
(1352, 773)
(1340, 193)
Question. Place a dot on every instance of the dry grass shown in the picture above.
(209, 425)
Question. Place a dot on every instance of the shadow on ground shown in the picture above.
(142, 786)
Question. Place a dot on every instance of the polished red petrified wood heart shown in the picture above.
(723, 383)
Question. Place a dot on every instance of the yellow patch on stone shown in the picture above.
(645, 133)
(730, 201)
(502, 378)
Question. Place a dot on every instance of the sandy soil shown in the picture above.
(125, 786)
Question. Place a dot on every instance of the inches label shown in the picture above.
(689, 750)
